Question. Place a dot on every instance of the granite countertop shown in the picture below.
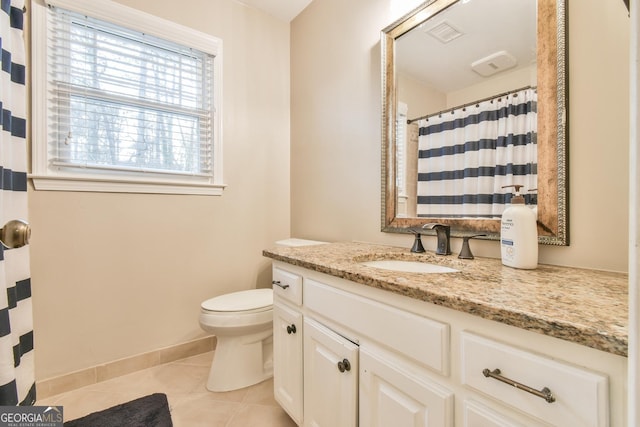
(587, 307)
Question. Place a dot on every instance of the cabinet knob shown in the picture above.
(277, 283)
(291, 329)
(344, 365)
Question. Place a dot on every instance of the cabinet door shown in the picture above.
(478, 415)
(395, 392)
(330, 378)
(287, 360)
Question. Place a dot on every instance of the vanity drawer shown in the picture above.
(287, 286)
(581, 396)
(423, 340)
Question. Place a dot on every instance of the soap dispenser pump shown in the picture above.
(518, 234)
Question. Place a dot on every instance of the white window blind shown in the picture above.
(401, 148)
(124, 103)
(127, 101)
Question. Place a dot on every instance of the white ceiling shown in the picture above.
(488, 26)
(285, 10)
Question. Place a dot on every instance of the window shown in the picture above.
(401, 149)
(127, 102)
(401, 161)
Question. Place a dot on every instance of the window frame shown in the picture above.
(48, 177)
(401, 148)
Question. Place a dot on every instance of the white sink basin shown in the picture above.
(408, 266)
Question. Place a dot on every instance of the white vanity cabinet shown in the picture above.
(393, 393)
(330, 377)
(304, 348)
(287, 365)
(321, 378)
(364, 356)
(287, 342)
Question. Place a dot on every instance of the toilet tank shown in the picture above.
(293, 242)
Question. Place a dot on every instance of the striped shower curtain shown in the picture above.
(467, 155)
(17, 379)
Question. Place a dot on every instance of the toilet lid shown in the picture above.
(240, 301)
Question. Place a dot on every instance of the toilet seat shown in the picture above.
(250, 301)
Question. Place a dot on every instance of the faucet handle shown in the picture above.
(417, 243)
(465, 252)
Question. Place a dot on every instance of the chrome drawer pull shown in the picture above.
(277, 283)
(545, 393)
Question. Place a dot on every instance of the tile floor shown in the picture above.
(191, 404)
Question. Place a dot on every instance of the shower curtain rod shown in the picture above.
(470, 103)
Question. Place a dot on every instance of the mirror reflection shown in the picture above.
(473, 114)
(469, 88)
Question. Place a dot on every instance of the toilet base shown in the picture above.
(240, 362)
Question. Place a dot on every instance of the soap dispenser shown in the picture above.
(519, 234)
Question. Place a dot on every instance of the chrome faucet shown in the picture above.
(444, 233)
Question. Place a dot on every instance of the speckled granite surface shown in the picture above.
(584, 306)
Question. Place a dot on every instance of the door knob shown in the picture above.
(15, 234)
(291, 329)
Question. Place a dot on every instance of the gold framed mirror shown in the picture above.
(546, 62)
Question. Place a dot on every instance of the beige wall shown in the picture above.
(335, 129)
(116, 275)
(419, 97)
(501, 83)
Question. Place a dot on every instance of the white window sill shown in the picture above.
(58, 183)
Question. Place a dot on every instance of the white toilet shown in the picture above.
(243, 324)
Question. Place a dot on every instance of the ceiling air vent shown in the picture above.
(444, 31)
(494, 63)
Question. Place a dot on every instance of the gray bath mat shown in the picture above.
(148, 411)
